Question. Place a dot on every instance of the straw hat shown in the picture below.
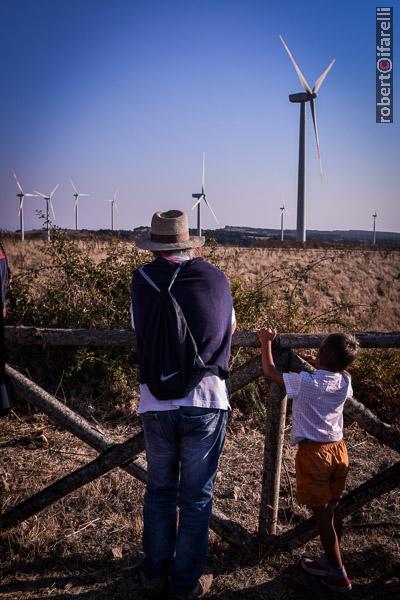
(170, 231)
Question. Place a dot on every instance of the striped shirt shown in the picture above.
(318, 400)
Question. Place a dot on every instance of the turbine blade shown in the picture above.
(198, 202)
(314, 118)
(54, 190)
(21, 206)
(209, 206)
(40, 194)
(115, 195)
(73, 185)
(34, 195)
(203, 182)
(83, 194)
(18, 183)
(116, 206)
(76, 201)
(321, 78)
(300, 75)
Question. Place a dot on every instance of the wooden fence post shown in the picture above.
(273, 444)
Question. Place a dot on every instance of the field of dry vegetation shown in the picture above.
(88, 545)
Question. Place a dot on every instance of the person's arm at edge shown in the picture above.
(266, 337)
(234, 323)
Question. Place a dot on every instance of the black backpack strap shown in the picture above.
(198, 360)
(153, 284)
(174, 276)
(148, 279)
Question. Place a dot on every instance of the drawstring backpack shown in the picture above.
(172, 365)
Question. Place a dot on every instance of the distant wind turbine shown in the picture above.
(308, 96)
(49, 204)
(374, 229)
(77, 195)
(113, 202)
(202, 196)
(21, 195)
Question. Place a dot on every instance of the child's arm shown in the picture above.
(266, 336)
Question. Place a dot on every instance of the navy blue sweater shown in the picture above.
(203, 293)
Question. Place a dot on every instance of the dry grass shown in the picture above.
(88, 544)
(368, 279)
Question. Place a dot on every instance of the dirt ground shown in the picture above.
(88, 544)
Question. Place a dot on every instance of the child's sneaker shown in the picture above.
(314, 566)
(336, 583)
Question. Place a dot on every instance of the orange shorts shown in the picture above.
(321, 471)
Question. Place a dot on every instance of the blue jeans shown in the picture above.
(183, 448)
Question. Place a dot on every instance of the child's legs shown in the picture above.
(330, 538)
(340, 464)
(337, 518)
(321, 471)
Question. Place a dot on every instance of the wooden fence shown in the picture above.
(127, 454)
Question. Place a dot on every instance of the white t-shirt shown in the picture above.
(211, 392)
(318, 400)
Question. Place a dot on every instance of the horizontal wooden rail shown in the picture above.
(126, 338)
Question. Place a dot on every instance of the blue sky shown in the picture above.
(126, 94)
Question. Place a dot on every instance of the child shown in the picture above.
(321, 460)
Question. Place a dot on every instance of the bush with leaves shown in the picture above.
(70, 289)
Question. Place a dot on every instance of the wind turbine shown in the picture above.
(308, 96)
(202, 196)
(77, 195)
(49, 204)
(21, 195)
(283, 210)
(374, 229)
(113, 202)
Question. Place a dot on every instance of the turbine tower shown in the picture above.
(374, 229)
(49, 204)
(283, 210)
(21, 195)
(308, 96)
(76, 195)
(113, 202)
(202, 196)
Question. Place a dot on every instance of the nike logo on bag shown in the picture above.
(165, 377)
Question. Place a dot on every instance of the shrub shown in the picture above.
(68, 288)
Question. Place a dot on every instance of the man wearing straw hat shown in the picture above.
(184, 435)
